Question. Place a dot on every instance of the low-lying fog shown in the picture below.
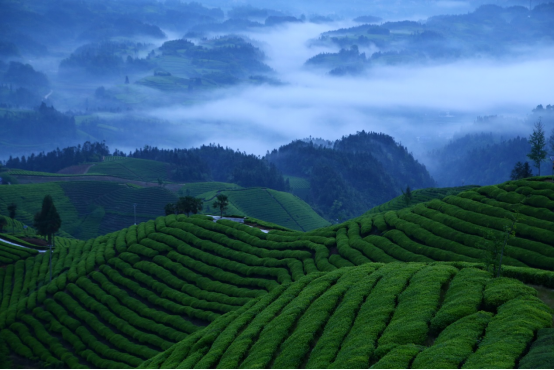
(421, 106)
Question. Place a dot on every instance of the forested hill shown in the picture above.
(357, 173)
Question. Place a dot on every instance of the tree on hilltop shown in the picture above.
(407, 195)
(538, 144)
(12, 211)
(188, 205)
(221, 203)
(521, 171)
(47, 221)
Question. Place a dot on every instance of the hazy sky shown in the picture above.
(405, 102)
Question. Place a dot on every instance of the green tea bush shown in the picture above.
(395, 250)
(463, 298)
(416, 306)
(398, 358)
(540, 356)
(454, 345)
(509, 332)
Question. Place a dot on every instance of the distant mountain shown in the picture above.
(359, 172)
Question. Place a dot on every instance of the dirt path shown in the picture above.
(21, 246)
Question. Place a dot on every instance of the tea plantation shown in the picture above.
(375, 315)
(402, 288)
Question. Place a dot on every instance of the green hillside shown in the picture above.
(132, 169)
(418, 196)
(195, 189)
(272, 206)
(88, 208)
(143, 170)
(121, 299)
(299, 186)
(384, 316)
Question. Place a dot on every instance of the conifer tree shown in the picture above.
(538, 144)
(47, 221)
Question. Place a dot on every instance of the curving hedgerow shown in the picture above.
(372, 315)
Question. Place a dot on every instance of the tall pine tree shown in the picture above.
(47, 221)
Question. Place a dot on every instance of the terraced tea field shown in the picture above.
(273, 206)
(132, 169)
(88, 208)
(195, 189)
(398, 289)
(384, 316)
(300, 187)
(418, 196)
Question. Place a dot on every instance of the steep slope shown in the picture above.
(384, 316)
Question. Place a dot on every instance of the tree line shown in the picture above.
(207, 163)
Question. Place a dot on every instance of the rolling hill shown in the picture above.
(272, 206)
(186, 291)
(92, 208)
(410, 315)
(418, 196)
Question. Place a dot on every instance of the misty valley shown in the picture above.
(315, 184)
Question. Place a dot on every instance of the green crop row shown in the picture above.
(295, 349)
(198, 286)
(148, 295)
(177, 322)
(540, 356)
(509, 332)
(463, 298)
(369, 250)
(345, 250)
(247, 264)
(395, 251)
(195, 308)
(455, 344)
(280, 328)
(86, 343)
(435, 247)
(125, 315)
(219, 268)
(416, 307)
(373, 316)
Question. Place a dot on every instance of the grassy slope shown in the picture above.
(418, 196)
(92, 208)
(88, 209)
(132, 294)
(390, 316)
(132, 169)
(122, 167)
(195, 189)
(270, 205)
